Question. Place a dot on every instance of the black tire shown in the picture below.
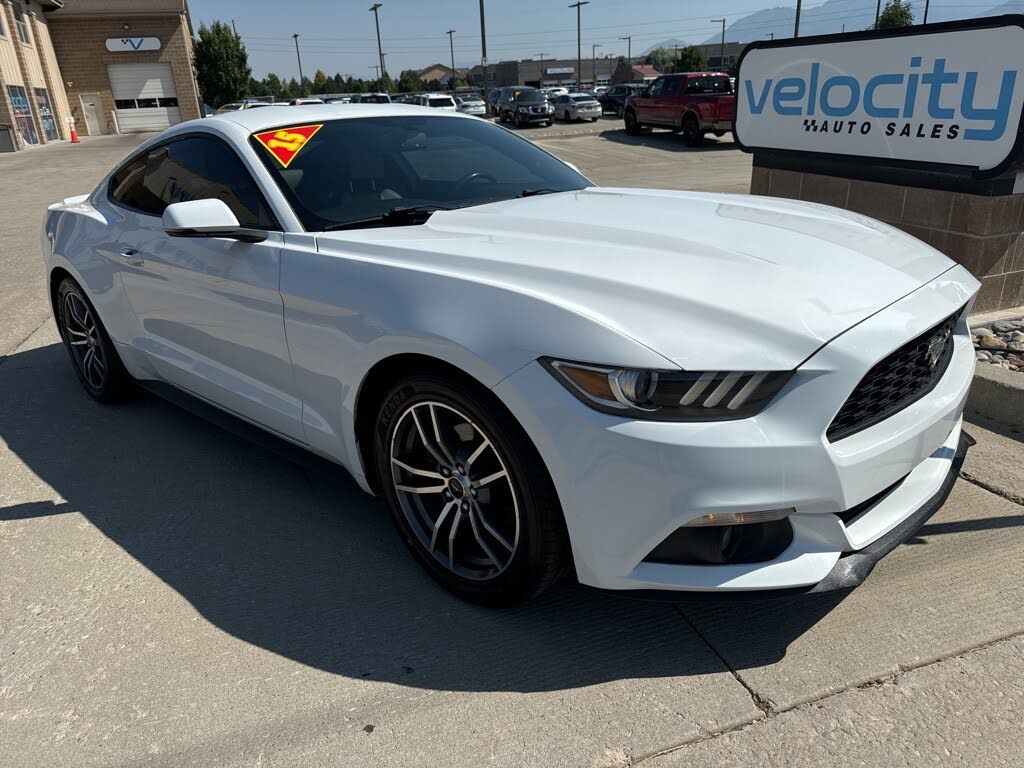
(540, 543)
(565, 116)
(92, 353)
(633, 126)
(693, 136)
(719, 134)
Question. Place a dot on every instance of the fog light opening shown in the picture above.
(742, 518)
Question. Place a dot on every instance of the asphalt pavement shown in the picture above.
(172, 594)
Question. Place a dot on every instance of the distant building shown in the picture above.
(716, 61)
(440, 75)
(637, 73)
(549, 72)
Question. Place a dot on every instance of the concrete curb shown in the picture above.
(998, 394)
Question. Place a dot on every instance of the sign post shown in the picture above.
(920, 127)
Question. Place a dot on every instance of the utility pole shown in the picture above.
(299, 57)
(540, 78)
(721, 46)
(451, 46)
(235, 29)
(772, 35)
(380, 51)
(593, 63)
(629, 48)
(844, 29)
(483, 54)
(376, 70)
(579, 44)
(925, 12)
(878, 12)
(796, 24)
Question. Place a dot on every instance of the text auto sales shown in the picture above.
(889, 96)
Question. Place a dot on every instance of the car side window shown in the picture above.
(658, 86)
(697, 85)
(198, 168)
(127, 188)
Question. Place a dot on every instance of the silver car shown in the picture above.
(471, 105)
(577, 106)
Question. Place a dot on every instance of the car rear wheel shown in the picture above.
(92, 353)
(468, 492)
(693, 136)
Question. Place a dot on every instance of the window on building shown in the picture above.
(21, 22)
(3, 32)
(46, 116)
(22, 110)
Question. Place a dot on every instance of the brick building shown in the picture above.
(33, 105)
(127, 64)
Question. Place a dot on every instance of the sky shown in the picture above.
(339, 35)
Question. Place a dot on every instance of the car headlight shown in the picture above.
(669, 395)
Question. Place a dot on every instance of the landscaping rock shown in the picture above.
(983, 332)
(1002, 326)
(992, 342)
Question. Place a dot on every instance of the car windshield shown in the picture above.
(351, 170)
(441, 101)
(531, 96)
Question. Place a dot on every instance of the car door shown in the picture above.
(698, 97)
(210, 309)
(649, 101)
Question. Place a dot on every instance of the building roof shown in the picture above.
(646, 70)
(121, 8)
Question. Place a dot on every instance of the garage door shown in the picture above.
(144, 96)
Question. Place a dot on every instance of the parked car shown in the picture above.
(236, 106)
(693, 103)
(436, 100)
(597, 90)
(340, 100)
(471, 105)
(492, 101)
(371, 98)
(553, 92)
(679, 399)
(524, 106)
(577, 106)
(614, 99)
(302, 101)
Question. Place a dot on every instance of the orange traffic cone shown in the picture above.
(74, 136)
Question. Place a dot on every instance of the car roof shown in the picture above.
(272, 117)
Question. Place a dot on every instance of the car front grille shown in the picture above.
(902, 378)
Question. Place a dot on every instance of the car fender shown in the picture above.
(345, 313)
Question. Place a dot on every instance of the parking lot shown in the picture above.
(174, 594)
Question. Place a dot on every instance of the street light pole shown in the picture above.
(380, 51)
(721, 46)
(299, 57)
(593, 63)
(483, 53)
(878, 12)
(796, 23)
(451, 46)
(579, 44)
(629, 48)
(925, 12)
(540, 79)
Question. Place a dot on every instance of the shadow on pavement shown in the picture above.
(671, 142)
(295, 559)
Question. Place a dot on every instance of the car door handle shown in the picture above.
(132, 257)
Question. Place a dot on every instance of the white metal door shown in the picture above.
(144, 96)
(91, 111)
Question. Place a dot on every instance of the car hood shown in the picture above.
(723, 282)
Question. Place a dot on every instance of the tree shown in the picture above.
(222, 64)
(897, 13)
(320, 82)
(660, 59)
(409, 81)
(691, 59)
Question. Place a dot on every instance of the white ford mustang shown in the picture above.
(664, 391)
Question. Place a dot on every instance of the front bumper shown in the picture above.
(535, 117)
(625, 486)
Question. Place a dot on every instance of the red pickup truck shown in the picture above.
(691, 103)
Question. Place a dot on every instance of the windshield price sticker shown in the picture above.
(286, 143)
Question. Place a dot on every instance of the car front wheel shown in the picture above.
(468, 491)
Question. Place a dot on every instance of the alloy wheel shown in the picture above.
(455, 490)
(83, 337)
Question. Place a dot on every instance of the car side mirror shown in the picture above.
(207, 218)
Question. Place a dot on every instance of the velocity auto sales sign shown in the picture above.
(942, 94)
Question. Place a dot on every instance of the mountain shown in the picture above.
(831, 16)
(672, 41)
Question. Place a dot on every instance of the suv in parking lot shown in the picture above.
(691, 103)
(614, 99)
(523, 105)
